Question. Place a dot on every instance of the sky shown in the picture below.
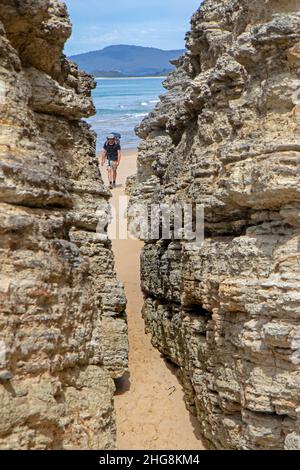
(151, 23)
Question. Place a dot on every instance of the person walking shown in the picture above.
(111, 153)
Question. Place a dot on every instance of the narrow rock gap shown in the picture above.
(149, 400)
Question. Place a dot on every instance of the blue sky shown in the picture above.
(153, 23)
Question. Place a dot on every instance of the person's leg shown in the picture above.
(115, 172)
(110, 173)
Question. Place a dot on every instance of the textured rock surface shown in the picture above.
(62, 316)
(227, 135)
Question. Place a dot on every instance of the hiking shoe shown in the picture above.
(114, 184)
(110, 186)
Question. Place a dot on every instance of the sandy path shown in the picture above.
(149, 404)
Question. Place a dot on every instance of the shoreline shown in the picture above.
(130, 151)
(126, 152)
(122, 104)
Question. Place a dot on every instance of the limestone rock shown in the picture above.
(62, 318)
(226, 135)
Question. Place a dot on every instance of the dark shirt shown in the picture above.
(112, 151)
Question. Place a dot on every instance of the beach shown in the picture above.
(149, 402)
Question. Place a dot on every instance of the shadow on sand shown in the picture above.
(123, 384)
(175, 370)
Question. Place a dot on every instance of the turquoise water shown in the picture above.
(122, 104)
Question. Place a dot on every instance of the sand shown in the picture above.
(149, 402)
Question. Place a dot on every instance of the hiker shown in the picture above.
(112, 154)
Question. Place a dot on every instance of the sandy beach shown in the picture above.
(150, 408)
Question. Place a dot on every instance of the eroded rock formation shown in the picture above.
(62, 320)
(227, 135)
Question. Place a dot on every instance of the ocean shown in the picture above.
(121, 105)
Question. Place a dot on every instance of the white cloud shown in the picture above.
(157, 23)
(143, 35)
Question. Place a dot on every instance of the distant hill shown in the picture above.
(123, 60)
